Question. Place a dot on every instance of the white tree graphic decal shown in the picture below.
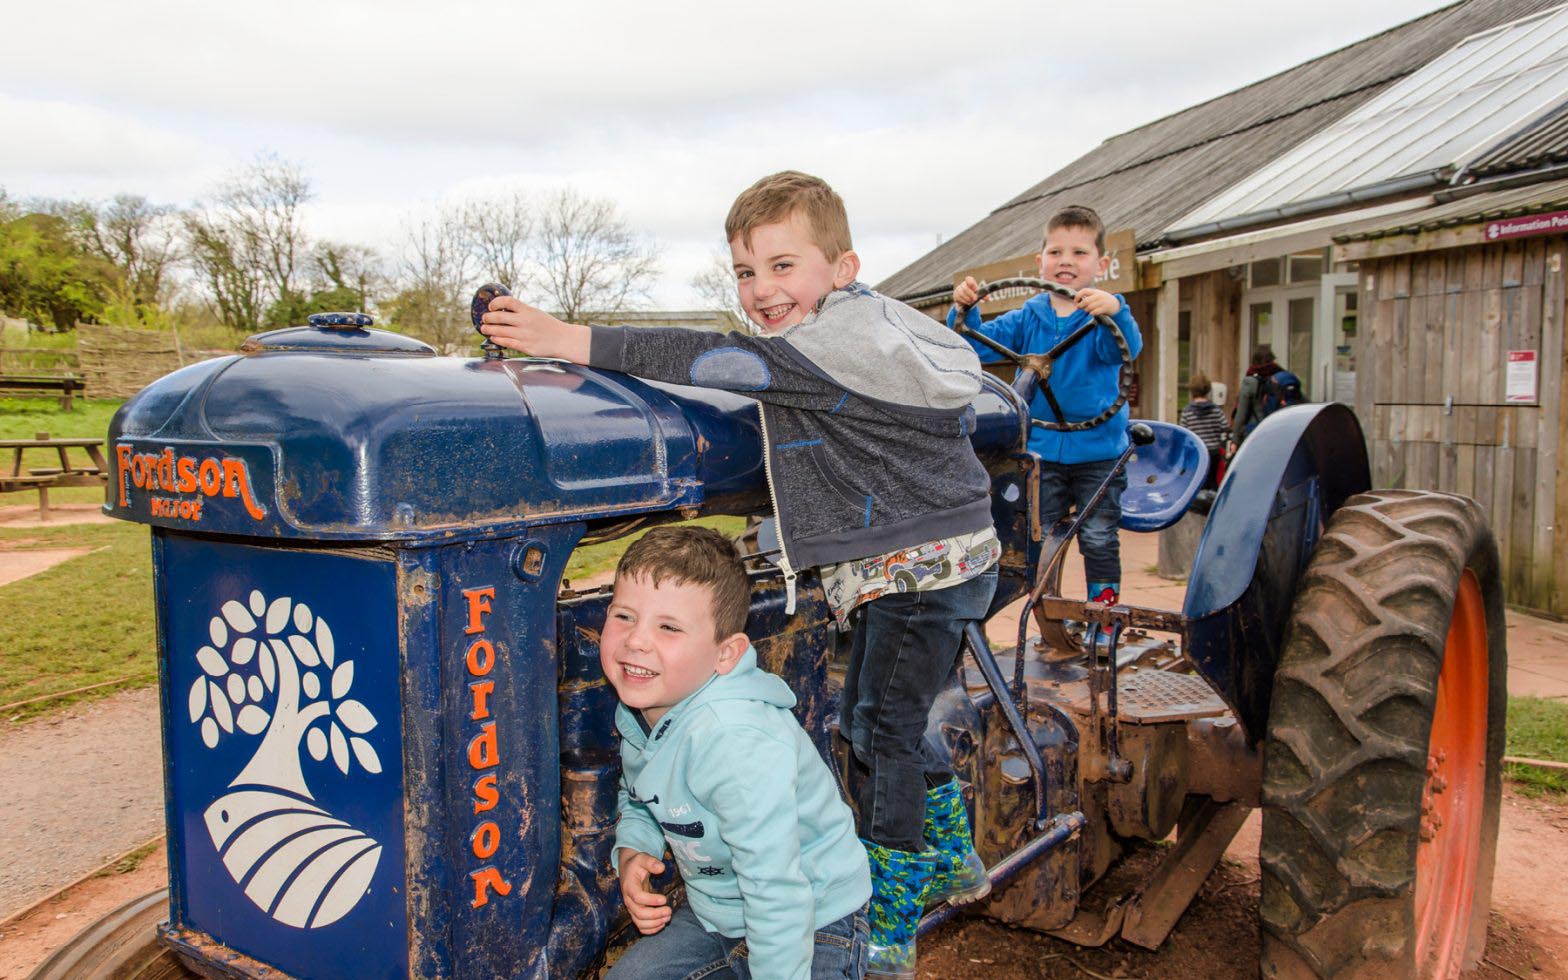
(272, 669)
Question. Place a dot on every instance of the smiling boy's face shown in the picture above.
(783, 273)
(1071, 257)
(659, 643)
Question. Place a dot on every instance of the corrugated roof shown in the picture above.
(1147, 178)
(1544, 143)
(1472, 209)
(1431, 123)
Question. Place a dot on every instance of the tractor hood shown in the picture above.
(339, 431)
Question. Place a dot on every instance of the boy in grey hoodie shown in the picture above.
(714, 765)
(866, 410)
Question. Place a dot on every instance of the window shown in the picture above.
(1265, 273)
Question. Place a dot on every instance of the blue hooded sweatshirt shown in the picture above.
(1084, 379)
(764, 842)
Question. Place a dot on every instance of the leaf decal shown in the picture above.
(311, 685)
(365, 754)
(221, 709)
(219, 631)
(236, 688)
(342, 680)
(209, 732)
(278, 614)
(198, 699)
(324, 642)
(244, 649)
(238, 616)
(356, 717)
(304, 650)
(212, 662)
(302, 618)
(254, 687)
(316, 743)
(258, 602)
(252, 720)
(339, 749)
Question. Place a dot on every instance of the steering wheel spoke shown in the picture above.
(1034, 370)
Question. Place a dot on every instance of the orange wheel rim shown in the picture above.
(1452, 799)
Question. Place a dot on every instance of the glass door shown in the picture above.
(1334, 358)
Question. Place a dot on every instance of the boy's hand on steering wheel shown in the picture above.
(650, 911)
(966, 292)
(1098, 302)
(512, 323)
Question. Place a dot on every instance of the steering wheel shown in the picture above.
(1035, 369)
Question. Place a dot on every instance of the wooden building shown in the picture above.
(1338, 211)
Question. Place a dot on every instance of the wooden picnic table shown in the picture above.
(61, 386)
(68, 474)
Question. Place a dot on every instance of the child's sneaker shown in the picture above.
(898, 882)
(1107, 594)
(959, 875)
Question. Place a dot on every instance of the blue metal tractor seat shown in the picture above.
(1163, 477)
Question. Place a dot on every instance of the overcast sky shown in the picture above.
(924, 116)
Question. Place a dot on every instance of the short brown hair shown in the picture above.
(1264, 354)
(1198, 386)
(689, 555)
(1077, 216)
(777, 196)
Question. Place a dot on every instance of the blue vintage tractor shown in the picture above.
(388, 745)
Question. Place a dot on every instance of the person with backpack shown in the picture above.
(1265, 390)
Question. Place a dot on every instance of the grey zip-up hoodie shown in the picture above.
(866, 409)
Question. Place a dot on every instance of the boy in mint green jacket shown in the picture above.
(715, 766)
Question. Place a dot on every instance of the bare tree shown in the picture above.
(344, 269)
(715, 285)
(434, 274)
(498, 233)
(247, 242)
(588, 260)
(140, 238)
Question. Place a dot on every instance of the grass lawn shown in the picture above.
(1538, 729)
(82, 622)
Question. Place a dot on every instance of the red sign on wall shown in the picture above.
(1532, 224)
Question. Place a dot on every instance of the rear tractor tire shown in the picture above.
(122, 945)
(1383, 759)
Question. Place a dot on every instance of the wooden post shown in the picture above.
(1167, 314)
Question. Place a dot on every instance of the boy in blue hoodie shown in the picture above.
(866, 411)
(1085, 380)
(715, 766)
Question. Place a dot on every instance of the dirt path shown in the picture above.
(81, 787)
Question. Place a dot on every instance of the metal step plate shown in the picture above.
(1149, 696)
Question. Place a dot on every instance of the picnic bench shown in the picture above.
(44, 478)
(61, 386)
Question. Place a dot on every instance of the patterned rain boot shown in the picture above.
(898, 882)
(1108, 594)
(959, 874)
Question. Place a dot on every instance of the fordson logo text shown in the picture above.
(483, 754)
(190, 479)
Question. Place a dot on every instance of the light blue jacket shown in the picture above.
(1084, 379)
(763, 840)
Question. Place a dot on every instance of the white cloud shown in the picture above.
(922, 114)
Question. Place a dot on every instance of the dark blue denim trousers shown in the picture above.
(1064, 484)
(905, 647)
(684, 950)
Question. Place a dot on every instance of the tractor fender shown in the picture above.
(1295, 469)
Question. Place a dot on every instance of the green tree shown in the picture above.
(45, 275)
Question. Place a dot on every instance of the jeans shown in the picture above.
(905, 648)
(684, 950)
(1062, 484)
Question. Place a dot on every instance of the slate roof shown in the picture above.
(1149, 177)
